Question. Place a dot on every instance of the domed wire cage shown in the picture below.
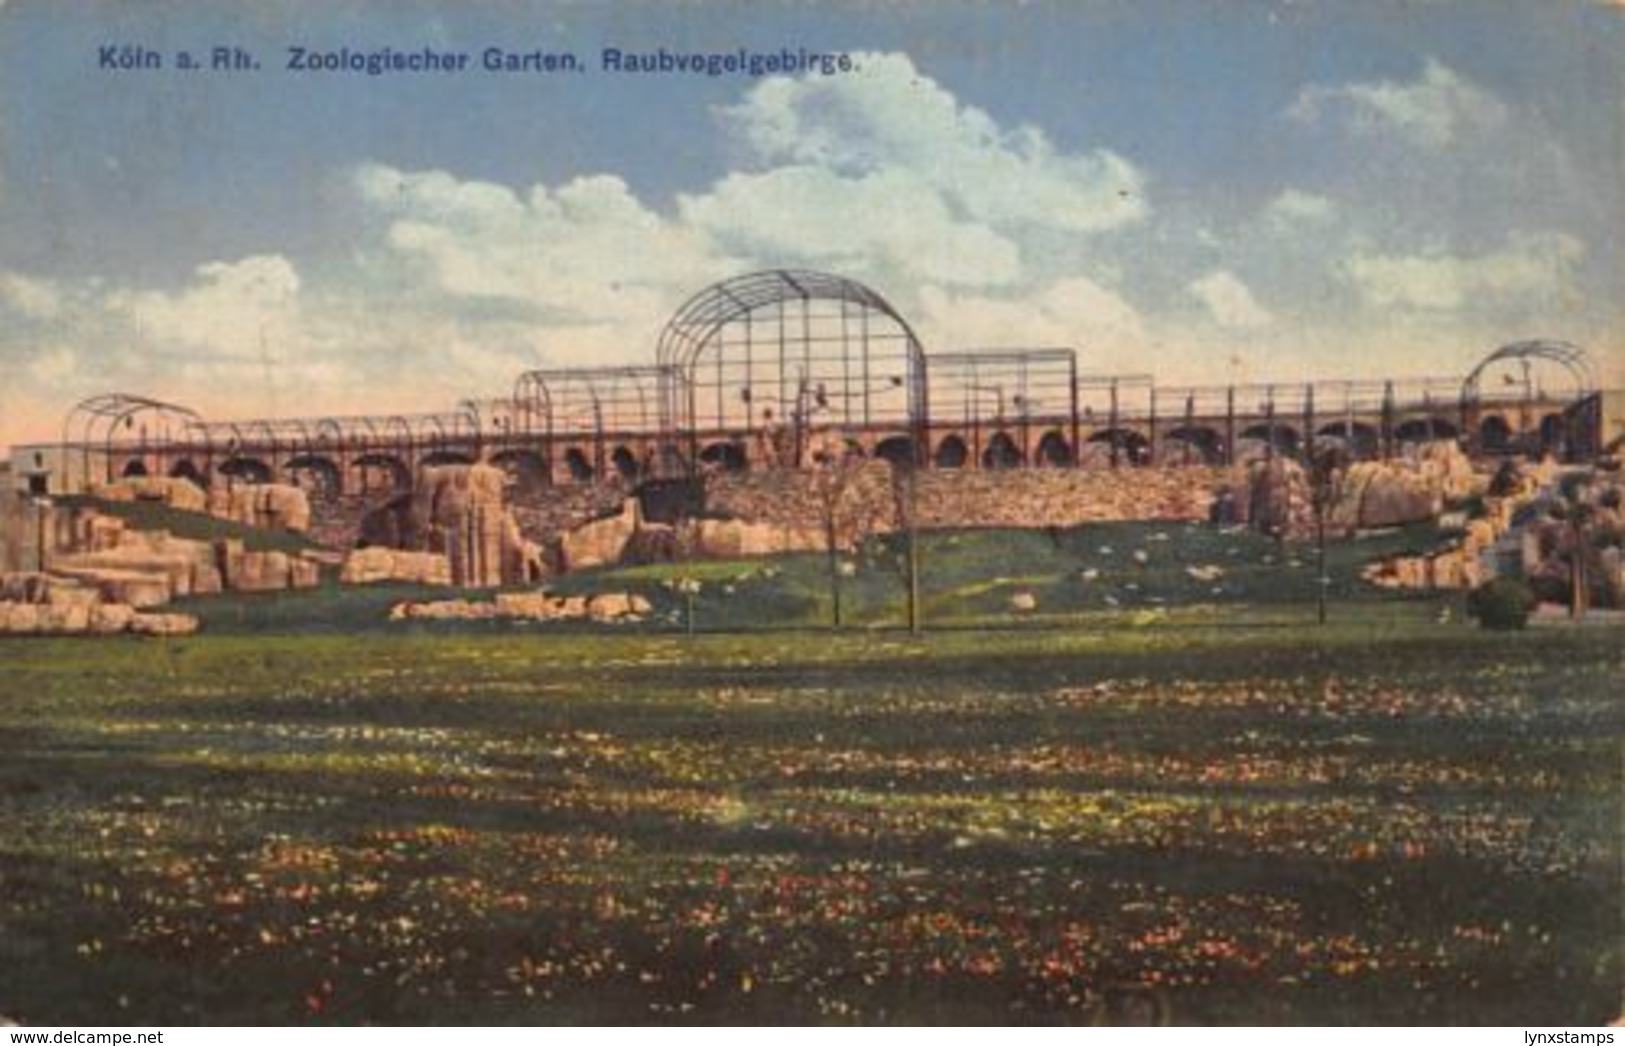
(784, 352)
(1515, 376)
(769, 366)
(1572, 360)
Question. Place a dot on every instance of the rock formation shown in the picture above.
(608, 607)
(375, 563)
(267, 506)
(44, 604)
(458, 511)
(176, 492)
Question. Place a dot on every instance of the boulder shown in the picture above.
(609, 606)
(189, 566)
(163, 624)
(536, 606)
(19, 618)
(30, 587)
(176, 492)
(66, 619)
(304, 572)
(528, 606)
(269, 506)
(1376, 494)
(109, 618)
(375, 564)
(737, 538)
(451, 610)
(134, 587)
(1023, 602)
(602, 541)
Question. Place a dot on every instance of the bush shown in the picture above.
(1502, 604)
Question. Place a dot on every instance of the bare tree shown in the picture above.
(835, 471)
(1327, 465)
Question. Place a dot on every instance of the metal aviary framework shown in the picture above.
(613, 411)
(787, 351)
(774, 368)
(1571, 359)
(998, 399)
(119, 422)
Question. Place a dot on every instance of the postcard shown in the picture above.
(968, 513)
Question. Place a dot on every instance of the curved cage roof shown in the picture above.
(1573, 360)
(592, 400)
(123, 418)
(811, 347)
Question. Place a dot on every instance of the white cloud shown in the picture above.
(29, 297)
(1073, 311)
(1432, 111)
(891, 116)
(1531, 267)
(231, 308)
(890, 221)
(586, 251)
(1294, 207)
(54, 365)
(1229, 301)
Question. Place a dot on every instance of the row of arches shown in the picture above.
(378, 472)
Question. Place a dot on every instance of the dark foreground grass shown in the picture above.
(1374, 822)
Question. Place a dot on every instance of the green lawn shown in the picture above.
(1085, 576)
(1217, 815)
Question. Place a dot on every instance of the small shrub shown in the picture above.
(1502, 604)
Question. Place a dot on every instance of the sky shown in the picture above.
(1204, 191)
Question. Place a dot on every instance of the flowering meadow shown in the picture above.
(1363, 823)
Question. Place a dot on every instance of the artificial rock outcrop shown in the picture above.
(458, 511)
(35, 604)
(267, 506)
(607, 607)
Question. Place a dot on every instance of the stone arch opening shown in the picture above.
(1495, 435)
(1002, 452)
(1553, 433)
(248, 470)
(135, 468)
(1282, 439)
(1193, 445)
(526, 468)
(1424, 430)
(446, 457)
(899, 450)
(626, 463)
(1126, 445)
(187, 470)
(1053, 451)
(727, 455)
(1358, 440)
(381, 473)
(317, 475)
(952, 453)
(581, 469)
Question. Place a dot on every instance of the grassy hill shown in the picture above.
(1119, 573)
(196, 526)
